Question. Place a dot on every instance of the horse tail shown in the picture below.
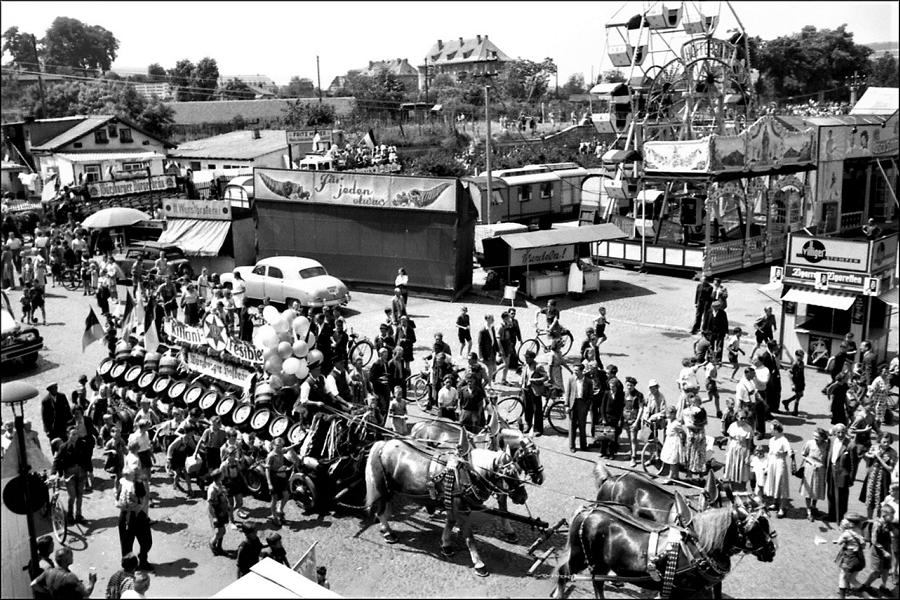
(601, 473)
(376, 486)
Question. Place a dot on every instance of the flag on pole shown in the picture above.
(93, 330)
(369, 140)
(151, 337)
(306, 566)
(711, 489)
(127, 316)
(139, 310)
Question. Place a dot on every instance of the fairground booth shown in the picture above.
(213, 233)
(547, 262)
(364, 226)
(834, 286)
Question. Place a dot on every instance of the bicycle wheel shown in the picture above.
(533, 345)
(418, 387)
(58, 520)
(650, 460)
(510, 409)
(71, 280)
(567, 341)
(364, 350)
(558, 417)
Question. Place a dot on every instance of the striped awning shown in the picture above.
(836, 300)
(196, 237)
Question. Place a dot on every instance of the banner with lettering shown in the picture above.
(218, 368)
(355, 189)
(212, 336)
(105, 189)
(210, 210)
(519, 257)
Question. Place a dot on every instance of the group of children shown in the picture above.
(882, 540)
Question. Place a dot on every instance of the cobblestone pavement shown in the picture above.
(650, 317)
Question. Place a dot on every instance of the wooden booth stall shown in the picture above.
(363, 226)
(212, 233)
(546, 260)
(834, 286)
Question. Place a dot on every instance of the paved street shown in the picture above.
(650, 317)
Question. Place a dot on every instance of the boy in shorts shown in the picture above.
(600, 324)
(464, 332)
(733, 344)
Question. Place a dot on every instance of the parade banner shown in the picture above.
(105, 189)
(355, 189)
(217, 368)
(212, 335)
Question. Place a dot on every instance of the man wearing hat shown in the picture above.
(839, 466)
(55, 413)
(314, 395)
(716, 323)
(534, 388)
(250, 549)
(654, 410)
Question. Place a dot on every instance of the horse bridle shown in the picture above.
(747, 521)
(524, 451)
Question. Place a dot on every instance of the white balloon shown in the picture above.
(270, 314)
(291, 366)
(303, 370)
(289, 315)
(310, 338)
(281, 325)
(300, 349)
(300, 326)
(268, 337)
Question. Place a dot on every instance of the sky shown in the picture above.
(283, 39)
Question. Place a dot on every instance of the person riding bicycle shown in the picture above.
(551, 313)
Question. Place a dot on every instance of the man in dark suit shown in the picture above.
(702, 301)
(869, 363)
(839, 466)
(378, 376)
(716, 322)
(488, 347)
(578, 393)
(534, 388)
(324, 345)
(55, 413)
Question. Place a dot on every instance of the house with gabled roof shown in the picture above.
(83, 149)
(398, 67)
(461, 58)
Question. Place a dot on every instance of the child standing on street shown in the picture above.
(850, 558)
(672, 452)
(729, 417)
(26, 303)
(758, 470)
(798, 382)
(881, 550)
(733, 344)
(397, 411)
(600, 324)
(712, 386)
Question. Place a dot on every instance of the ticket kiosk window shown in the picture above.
(826, 320)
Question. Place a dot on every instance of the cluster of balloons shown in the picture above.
(285, 341)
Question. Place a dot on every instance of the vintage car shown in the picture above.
(284, 279)
(18, 341)
(148, 252)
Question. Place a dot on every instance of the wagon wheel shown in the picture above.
(304, 492)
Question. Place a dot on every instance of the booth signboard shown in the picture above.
(860, 141)
(218, 369)
(305, 136)
(356, 189)
(105, 189)
(533, 256)
(828, 253)
(857, 311)
(839, 280)
(884, 253)
(215, 210)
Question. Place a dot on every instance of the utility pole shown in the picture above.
(855, 81)
(319, 78)
(426, 80)
(487, 151)
(40, 70)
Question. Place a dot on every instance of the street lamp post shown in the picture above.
(16, 394)
(855, 81)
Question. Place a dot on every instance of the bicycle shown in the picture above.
(418, 385)
(541, 343)
(55, 510)
(71, 279)
(511, 408)
(362, 348)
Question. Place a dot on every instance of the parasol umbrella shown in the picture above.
(117, 216)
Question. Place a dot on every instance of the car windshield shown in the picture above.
(312, 272)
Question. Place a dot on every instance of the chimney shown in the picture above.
(440, 45)
(479, 38)
(256, 135)
(485, 37)
(370, 64)
(460, 41)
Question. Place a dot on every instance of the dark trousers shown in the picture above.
(595, 414)
(698, 316)
(578, 418)
(534, 411)
(837, 511)
(135, 526)
(718, 344)
(761, 409)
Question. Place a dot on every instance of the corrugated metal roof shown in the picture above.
(88, 125)
(101, 156)
(557, 237)
(236, 145)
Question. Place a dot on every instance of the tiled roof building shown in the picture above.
(455, 57)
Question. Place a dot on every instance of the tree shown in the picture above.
(21, 46)
(156, 73)
(884, 72)
(299, 114)
(437, 163)
(180, 77)
(71, 43)
(157, 118)
(525, 79)
(235, 89)
(811, 61)
(205, 79)
(299, 87)
(575, 85)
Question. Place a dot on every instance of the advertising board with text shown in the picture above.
(519, 257)
(210, 210)
(828, 253)
(356, 189)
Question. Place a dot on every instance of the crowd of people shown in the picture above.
(811, 108)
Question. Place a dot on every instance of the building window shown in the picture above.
(77, 145)
(525, 193)
(111, 131)
(546, 190)
(92, 172)
(195, 165)
(211, 167)
(125, 136)
(100, 137)
(135, 166)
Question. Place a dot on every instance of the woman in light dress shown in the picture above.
(695, 424)
(737, 454)
(672, 452)
(778, 471)
(812, 459)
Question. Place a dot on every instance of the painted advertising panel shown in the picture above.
(828, 253)
(884, 253)
(859, 141)
(355, 189)
(677, 157)
(105, 189)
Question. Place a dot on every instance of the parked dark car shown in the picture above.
(18, 341)
(148, 252)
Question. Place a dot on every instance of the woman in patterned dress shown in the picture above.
(737, 454)
(695, 423)
(881, 459)
(672, 452)
(778, 469)
(812, 486)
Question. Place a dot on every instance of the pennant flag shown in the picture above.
(149, 312)
(93, 330)
(369, 140)
(711, 489)
(151, 337)
(306, 566)
(127, 317)
(139, 311)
